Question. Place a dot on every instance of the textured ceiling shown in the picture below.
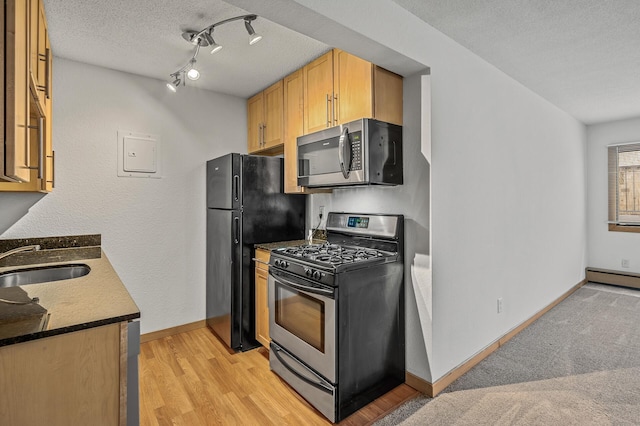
(581, 55)
(145, 37)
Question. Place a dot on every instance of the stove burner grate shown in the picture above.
(333, 254)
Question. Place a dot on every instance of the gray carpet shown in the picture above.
(577, 365)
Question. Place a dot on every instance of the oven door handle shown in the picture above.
(320, 384)
(303, 287)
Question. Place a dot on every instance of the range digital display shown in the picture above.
(358, 222)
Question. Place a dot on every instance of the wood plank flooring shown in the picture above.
(192, 379)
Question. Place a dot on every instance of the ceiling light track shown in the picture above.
(204, 38)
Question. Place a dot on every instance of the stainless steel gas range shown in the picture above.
(337, 313)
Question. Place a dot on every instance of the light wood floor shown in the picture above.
(191, 379)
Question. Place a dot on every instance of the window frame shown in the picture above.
(614, 223)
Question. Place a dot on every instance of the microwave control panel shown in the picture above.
(356, 150)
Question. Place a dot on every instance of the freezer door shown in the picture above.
(224, 182)
(263, 179)
(268, 213)
(224, 277)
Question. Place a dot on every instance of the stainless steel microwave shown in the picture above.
(362, 152)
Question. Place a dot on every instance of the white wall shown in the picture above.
(607, 249)
(508, 196)
(153, 230)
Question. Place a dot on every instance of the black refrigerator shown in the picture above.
(246, 205)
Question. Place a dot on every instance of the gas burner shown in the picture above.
(332, 254)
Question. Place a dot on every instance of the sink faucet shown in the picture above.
(34, 247)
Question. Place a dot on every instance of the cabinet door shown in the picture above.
(293, 127)
(43, 54)
(387, 96)
(69, 379)
(17, 153)
(48, 153)
(255, 111)
(272, 126)
(353, 97)
(318, 93)
(262, 308)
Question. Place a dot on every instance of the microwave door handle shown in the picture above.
(343, 144)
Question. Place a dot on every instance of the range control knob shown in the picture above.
(278, 262)
(316, 275)
(308, 272)
(284, 264)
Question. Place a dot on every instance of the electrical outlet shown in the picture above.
(321, 212)
(500, 305)
(625, 263)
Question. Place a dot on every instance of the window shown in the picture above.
(624, 187)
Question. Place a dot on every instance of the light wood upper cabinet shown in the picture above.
(265, 120)
(352, 88)
(273, 115)
(293, 127)
(16, 161)
(40, 61)
(255, 112)
(318, 93)
(340, 87)
(28, 163)
(387, 100)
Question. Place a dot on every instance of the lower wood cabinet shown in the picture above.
(70, 379)
(262, 308)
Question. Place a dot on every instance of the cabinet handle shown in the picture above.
(264, 143)
(259, 135)
(47, 88)
(335, 109)
(328, 118)
(40, 147)
(53, 169)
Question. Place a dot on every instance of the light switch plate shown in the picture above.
(138, 155)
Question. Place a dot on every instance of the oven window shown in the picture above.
(318, 158)
(301, 315)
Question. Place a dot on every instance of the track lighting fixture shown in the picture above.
(204, 38)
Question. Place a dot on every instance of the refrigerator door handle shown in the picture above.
(236, 187)
(236, 233)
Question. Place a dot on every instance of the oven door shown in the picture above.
(333, 157)
(302, 318)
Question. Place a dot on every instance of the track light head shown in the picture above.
(253, 37)
(193, 73)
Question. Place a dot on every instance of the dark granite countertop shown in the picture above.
(98, 298)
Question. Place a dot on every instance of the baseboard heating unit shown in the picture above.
(607, 276)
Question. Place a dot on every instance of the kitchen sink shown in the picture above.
(43, 274)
